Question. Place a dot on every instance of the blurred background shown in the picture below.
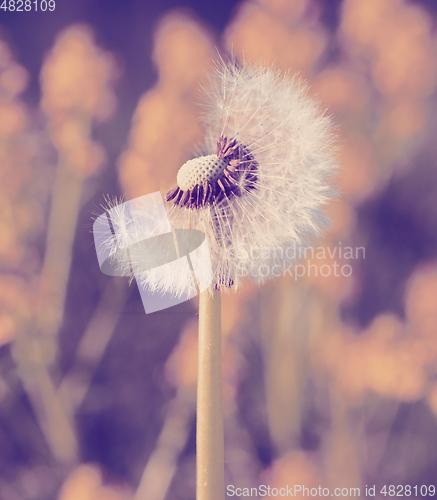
(328, 380)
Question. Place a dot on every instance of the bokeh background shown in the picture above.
(328, 381)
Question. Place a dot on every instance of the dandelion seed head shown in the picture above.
(261, 182)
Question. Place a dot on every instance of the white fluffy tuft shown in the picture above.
(291, 139)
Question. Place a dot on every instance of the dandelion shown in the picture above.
(256, 190)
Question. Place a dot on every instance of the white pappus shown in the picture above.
(262, 181)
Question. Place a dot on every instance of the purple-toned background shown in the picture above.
(124, 409)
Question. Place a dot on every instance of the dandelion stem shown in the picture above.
(210, 454)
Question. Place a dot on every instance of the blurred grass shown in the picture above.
(308, 397)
